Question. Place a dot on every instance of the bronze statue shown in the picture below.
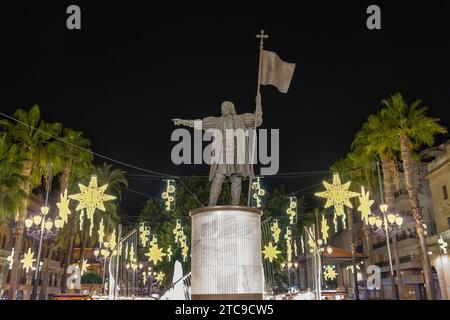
(234, 170)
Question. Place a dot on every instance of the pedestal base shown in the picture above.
(226, 253)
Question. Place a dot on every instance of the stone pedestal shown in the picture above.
(226, 253)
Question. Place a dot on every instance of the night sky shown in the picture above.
(135, 65)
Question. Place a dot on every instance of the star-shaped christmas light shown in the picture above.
(101, 232)
(84, 266)
(324, 229)
(270, 252)
(364, 204)
(337, 194)
(160, 277)
(329, 273)
(63, 206)
(155, 254)
(10, 259)
(28, 260)
(275, 231)
(91, 197)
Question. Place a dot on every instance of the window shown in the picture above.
(444, 192)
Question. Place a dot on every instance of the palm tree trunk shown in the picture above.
(405, 149)
(353, 249)
(18, 233)
(45, 273)
(388, 181)
(83, 246)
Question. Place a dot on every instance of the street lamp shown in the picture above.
(389, 221)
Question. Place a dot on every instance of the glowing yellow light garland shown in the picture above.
(258, 192)
(144, 233)
(275, 231)
(288, 238)
(292, 210)
(442, 244)
(10, 259)
(101, 232)
(169, 195)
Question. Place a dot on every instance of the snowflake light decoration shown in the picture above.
(337, 195)
(364, 204)
(160, 277)
(329, 273)
(270, 252)
(91, 198)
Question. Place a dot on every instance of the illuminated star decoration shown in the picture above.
(10, 259)
(275, 231)
(155, 254)
(364, 205)
(91, 198)
(324, 229)
(329, 273)
(28, 260)
(160, 277)
(292, 210)
(84, 266)
(101, 232)
(337, 194)
(270, 252)
(63, 206)
(258, 192)
(169, 195)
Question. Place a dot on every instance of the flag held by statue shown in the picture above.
(275, 71)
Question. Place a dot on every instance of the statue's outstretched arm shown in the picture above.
(182, 122)
(249, 118)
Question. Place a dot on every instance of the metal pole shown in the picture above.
(385, 222)
(261, 36)
(41, 239)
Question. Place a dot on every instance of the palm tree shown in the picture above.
(375, 140)
(32, 136)
(413, 129)
(11, 197)
(75, 164)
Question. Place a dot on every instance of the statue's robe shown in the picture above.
(243, 121)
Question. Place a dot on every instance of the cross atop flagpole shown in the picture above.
(261, 36)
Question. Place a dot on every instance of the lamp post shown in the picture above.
(46, 225)
(389, 220)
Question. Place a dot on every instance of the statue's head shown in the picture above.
(228, 108)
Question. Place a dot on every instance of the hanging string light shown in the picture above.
(275, 231)
(442, 244)
(258, 192)
(101, 232)
(178, 231)
(144, 233)
(302, 244)
(288, 238)
(292, 210)
(10, 259)
(169, 195)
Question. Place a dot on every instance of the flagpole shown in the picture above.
(260, 36)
